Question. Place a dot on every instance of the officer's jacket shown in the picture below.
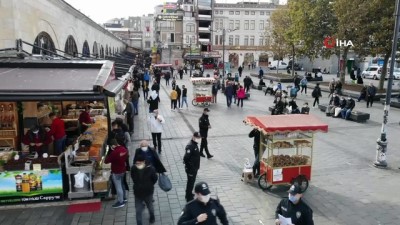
(301, 213)
(194, 208)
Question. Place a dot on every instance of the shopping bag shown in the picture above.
(164, 182)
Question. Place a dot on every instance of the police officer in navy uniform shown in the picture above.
(204, 125)
(191, 159)
(294, 208)
(203, 210)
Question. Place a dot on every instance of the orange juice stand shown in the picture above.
(286, 148)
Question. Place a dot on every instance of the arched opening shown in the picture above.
(113, 51)
(95, 50)
(106, 50)
(70, 47)
(101, 52)
(44, 41)
(85, 49)
(109, 50)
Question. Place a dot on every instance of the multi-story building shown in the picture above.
(147, 23)
(169, 32)
(129, 30)
(246, 27)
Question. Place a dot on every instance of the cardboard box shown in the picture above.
(100, 186)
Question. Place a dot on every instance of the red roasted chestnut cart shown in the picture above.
(202, 90)
(286, 148)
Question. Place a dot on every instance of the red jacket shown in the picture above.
(241, 93)
(57, 129)
(117, 158)
(84, 117)
(41, 137)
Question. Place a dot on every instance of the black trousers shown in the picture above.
(204, 146)
(129, 120)
(316, 100)
(370, 100)
(156, 140)
(173, 103)
(303, 88)
(191, 179)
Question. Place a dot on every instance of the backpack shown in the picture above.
(314, 93)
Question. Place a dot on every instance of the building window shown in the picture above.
(261, 13)
(187, 39)
(221, 40)
(246, 12)
(261, 41)
(252, 24)
(231, 24)
(147, 44)
(189, 27)
(267, 13)
(231, 12)
(147, 34)
(251, 40)
(237, 12)
(246, 24)
(262, 25)
(216, 12)
(216, 40)
(172, 36)
(216, 25)
(237, 24)
(253, 12)
(221, 12)
(230, 39)
(237, 40)
(246, 40)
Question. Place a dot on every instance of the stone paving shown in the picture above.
(345, 187)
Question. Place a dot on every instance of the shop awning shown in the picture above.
(193, 56)
(115, 86)
(202, 80)
(287, 123)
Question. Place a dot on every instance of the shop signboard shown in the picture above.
(169, 18)
(19, 187)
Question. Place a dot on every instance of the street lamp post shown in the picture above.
(190, 56)
(224, 31)
(382, 140)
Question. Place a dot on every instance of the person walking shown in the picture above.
(129, 114)
(178, 99)
(150, 155)
(117, 157)
(214, 91)
(174, 97)
(143, 177)
(167, 76)
(145, 91)
(135, 101)
(191, 159)
(255, 134)
(371, 92)
(235, 87)
(241, 94)
(204, 125)
(303, 84)
(204, 209)
(153, 101)
(294, 208)
(240, 70)
(184, 96)
(155, 86)
(156, 128)
(180, 73)
(261, 73)
(57, 131)
(316, 94)
(229, 94)
(146, 77)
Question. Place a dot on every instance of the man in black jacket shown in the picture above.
(256, 147)
(204, 125)
(346, 111)
(179, 91)
(144, 177)
(203, 210)
(371, 92)
(191, 159)
(293, 207)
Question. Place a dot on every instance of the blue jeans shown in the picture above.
(184, 100)
(59, 145)
(139, 206)
(119, 183)
(135, 107)
(346, 113)
(228, 100)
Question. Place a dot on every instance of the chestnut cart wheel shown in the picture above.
(262, 182)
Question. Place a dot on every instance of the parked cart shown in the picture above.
(202, 87)
(286, 148)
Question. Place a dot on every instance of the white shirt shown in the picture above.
(156, 124)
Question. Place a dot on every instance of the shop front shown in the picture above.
(84, 95)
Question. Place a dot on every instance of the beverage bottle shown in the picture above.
(39, 184)
(18, 183)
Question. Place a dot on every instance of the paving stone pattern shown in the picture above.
(345, 187)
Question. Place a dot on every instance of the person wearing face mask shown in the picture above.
(37, 139)
(156, 128)
(191, 159)
(295, 208)
(204, 209)
(150, 155)
(143, 177)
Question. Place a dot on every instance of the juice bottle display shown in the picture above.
(25, 183)
(39, 184)
(18, 183)
(32, 182)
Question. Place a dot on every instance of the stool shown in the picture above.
(247, 175)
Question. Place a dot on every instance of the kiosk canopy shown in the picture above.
(287, 123)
